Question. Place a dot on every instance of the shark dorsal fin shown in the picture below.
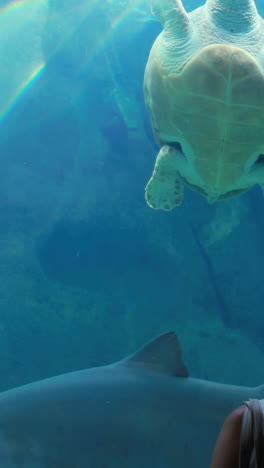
(162, 355)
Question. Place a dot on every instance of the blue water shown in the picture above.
(88, 272)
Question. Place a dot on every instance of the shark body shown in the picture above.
(142, 412)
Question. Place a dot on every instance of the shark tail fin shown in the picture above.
(162, 355)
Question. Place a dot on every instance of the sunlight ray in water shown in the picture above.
(9, 11)
(13, 4)
(80, 13)
(16, 15)
(19, 92)
(22, 62)
(127, 10)
(121, 15)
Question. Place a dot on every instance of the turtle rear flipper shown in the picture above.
(164, 191)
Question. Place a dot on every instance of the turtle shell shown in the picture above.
(214, 108)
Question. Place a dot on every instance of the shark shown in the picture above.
(144, 411)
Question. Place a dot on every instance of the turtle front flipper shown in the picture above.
(173, 17)
(164, 191)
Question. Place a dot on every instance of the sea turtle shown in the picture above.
(204, 89)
